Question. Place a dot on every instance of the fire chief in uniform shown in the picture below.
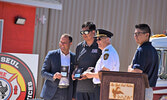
(109, 60)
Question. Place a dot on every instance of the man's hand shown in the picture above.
(105, 69)
(130, 68)
(88, 75)
(73, 77)
(136, 70)
(91, 75)
(83, 77)
(73, 98)
(57, 75)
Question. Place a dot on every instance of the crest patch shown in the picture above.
(106, 56)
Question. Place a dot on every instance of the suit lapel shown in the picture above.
(59, 58)
(71, 62)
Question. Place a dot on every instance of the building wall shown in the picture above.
(17, 38)
(117, 16)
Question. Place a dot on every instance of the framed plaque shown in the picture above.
(64, 71)
(64, 81)
(78, 73)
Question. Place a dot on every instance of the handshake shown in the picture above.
(80, 74)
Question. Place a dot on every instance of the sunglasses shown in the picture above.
(99, 38)
(85, 32)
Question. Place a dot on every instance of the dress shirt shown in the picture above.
(65, 61)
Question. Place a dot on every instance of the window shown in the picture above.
(162, 54)
(1, 33)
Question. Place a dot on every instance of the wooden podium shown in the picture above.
(122, 85)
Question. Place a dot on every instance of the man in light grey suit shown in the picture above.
(52, 68)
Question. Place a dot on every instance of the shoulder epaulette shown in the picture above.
(106, 50)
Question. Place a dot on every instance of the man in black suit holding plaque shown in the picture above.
(57, 69)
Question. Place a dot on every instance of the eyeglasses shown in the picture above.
(100, 38)
(138, 33)
(85, 32)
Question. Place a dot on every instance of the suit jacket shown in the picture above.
(52, 64)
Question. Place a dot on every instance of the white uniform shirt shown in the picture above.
(108, 59)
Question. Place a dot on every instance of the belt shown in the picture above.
(96, 85)
(63, 86)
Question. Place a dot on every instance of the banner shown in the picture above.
(18, 73)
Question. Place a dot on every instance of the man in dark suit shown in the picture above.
(54, 63)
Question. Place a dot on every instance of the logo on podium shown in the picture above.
(121, 91)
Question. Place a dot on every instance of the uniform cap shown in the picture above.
(103, 33)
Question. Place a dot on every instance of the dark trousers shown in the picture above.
(61, 94)
(97, 91)
(85, 96)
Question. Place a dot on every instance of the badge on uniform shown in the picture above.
(94, 51)
(106, 56)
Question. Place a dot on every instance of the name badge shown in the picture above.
(94, 51)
